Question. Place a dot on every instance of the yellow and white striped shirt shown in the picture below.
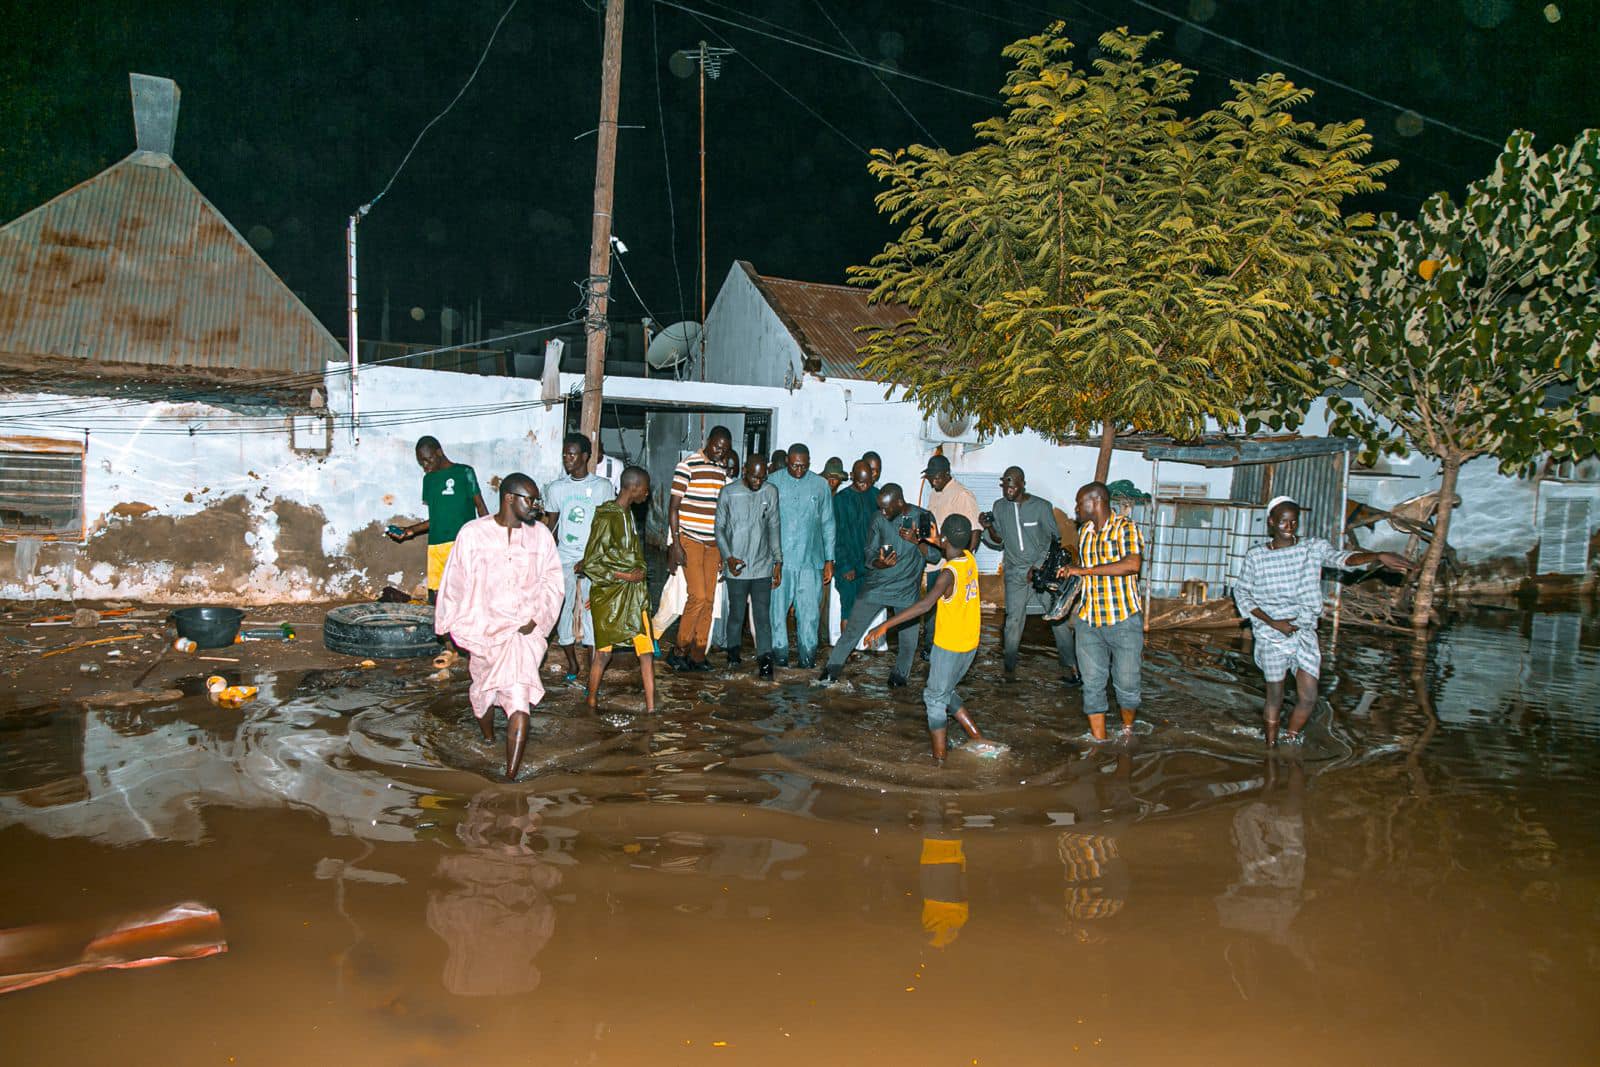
(1109, 599)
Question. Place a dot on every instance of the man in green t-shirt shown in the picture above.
(450, 490)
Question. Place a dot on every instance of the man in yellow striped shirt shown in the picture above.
(1110, 626)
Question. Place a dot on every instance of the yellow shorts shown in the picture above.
(437, 554)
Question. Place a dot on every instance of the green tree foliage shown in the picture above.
(1474, 330)
(1104, 258)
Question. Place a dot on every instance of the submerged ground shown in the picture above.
(774, 873)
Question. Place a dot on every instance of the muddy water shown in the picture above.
(777, 874)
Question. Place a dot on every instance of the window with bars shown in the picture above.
(41, 488)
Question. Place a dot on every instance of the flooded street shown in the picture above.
(778, 873)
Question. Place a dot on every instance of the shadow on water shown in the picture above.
(806, 832)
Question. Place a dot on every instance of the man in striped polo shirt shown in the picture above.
(1110, 626)
(692, 519)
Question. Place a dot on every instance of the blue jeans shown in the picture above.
(945, 671)
(1113, 652)
(801, 589)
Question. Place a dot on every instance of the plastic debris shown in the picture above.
(216, 684)
(85, 618)
(368, 664)
(234, 696)
(184, 644)
(34, 955)
(447, 658)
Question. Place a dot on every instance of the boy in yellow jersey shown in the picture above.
(954, 589)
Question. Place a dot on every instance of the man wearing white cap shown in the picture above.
(1280, 591)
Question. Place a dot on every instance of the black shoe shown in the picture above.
(733, 657)
(806, 663)
(1073, 680)
(676, 661)
(827, 676)
(764, 667)
(698, 666)
(896, 680)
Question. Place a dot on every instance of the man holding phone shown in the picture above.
(896, 552)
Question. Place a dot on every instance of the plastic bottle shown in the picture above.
(183, 644)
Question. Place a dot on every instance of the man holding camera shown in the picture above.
(1023, 527)
(895, 555)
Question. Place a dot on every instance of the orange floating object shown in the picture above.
(34, 955)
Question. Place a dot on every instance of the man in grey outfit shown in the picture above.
(750, 541)
(895, 556)
(1022, 526)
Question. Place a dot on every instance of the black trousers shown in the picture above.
(756, 595)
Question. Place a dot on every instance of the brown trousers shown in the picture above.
(701, 564)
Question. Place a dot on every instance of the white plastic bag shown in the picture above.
(674, 595)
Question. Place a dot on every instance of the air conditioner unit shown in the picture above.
(947, 428)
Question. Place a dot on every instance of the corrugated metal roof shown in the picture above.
(136, 267)
(823, 319)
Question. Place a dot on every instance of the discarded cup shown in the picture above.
(184, 644)
(216, 684)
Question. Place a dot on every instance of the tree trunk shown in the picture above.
(1102, 465)
(1422, 606)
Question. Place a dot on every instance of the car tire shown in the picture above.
(381, 631)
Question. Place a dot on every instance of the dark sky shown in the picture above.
(295, 114)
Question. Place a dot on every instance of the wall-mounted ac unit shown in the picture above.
(946, 428)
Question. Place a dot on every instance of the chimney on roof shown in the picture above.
(155, 113)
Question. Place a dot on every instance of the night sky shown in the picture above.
(295, 114)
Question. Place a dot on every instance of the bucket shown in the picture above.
(208, 627)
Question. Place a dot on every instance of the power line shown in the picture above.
(878, 77)
(759, 70)
(988, 99)
(666, 161)
(1308, 72)
(470, 78)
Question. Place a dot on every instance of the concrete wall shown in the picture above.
(746, 343)
(1497, 523)
(233, 513)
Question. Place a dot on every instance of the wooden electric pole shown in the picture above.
(605, 166)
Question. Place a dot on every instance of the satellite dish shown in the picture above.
(673, 345)
(952, 425)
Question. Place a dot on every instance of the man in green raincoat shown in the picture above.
(618, 601)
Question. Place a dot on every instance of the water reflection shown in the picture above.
(1101, 805)
(498, 915)
(1269, 842)
(942, 874)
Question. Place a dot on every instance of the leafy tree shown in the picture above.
(1475, 329)
(1104, 260)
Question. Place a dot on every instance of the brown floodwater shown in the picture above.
(778, 874)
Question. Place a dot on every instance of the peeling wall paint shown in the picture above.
(234, 513)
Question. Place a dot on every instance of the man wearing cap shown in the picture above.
(947, 497)
(1280, 591)
(1023, 526)
(834, 474)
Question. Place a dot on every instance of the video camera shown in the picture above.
(1063, 592)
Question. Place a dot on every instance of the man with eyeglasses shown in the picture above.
(571, 500)
(498, 600)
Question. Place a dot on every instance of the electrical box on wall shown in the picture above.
(312, 434)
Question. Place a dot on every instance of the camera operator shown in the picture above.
(1023, 526)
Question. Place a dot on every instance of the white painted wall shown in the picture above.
(1498, 517)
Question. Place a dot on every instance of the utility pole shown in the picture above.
(599, 284)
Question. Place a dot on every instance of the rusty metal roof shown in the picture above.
(136, 267)
(823, 319)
